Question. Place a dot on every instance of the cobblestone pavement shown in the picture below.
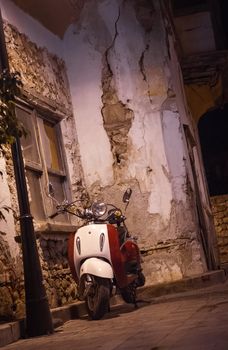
(189, 321)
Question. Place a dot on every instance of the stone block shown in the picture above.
(9, 333)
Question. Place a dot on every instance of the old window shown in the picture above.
(44, 163)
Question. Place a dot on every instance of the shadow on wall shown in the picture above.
(213, 132)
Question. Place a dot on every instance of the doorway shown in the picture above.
(213, 134)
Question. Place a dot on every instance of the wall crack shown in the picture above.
(117, 117)
(143, 70)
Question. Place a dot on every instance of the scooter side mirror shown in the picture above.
(51, 193)
(51, 190)
(127, 195)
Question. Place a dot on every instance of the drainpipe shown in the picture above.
(38, 316)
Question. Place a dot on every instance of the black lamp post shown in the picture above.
(38, 316)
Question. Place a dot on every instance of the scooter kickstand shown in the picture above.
(136, 305)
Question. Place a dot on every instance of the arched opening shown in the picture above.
(213, 133)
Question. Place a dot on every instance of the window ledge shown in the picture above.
(49, 228)
(55, 228)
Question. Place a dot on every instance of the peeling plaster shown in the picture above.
(131, 121)
(129, 84)
(41, 72)
(128, 129)
(126, 71)
(175, 152)
(117, 117)
(44, 78)
(72, 152)
(7, 226)
(82, 44)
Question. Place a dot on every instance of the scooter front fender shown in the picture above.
(96, 267)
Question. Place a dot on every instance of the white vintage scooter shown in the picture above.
(103, 257)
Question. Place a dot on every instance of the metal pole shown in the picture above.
(38, 316)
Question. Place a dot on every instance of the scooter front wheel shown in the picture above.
(97, 299)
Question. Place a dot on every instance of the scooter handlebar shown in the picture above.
(65, 209)
(111, 217)
(52, 216)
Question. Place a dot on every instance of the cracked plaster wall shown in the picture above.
(37, 53)
(7, 225)
(129, 128)
(110, 91)
(44, 79)
(46, 84)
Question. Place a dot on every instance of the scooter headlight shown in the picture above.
(98, 209)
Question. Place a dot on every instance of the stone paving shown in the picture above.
(195, 320)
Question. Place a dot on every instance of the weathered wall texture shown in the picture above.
(42, 73)
(129, 120)
(11, 288)
(130, 130)
(220, 213)
(44, 79)
(11, 283)
(60, 287)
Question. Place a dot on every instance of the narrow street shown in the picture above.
(195, 320)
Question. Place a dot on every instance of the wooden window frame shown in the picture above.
(37, 116)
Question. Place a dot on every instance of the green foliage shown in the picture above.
(10, 127)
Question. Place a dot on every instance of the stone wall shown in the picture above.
(42, 73)
(220, 213)
(58, 282)
(11, 283)
(60, 287)
(45, 83)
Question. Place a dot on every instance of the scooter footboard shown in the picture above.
(96, 267)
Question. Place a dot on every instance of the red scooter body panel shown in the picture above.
(128, 252)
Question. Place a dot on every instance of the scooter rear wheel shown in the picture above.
(97, 299)
(129, 293)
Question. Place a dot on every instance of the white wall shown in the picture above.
(175, 153)
(85, 46)
(112, 36)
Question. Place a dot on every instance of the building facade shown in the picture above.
(105, 106)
